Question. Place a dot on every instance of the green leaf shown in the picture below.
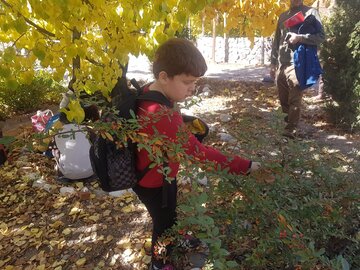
(40, 54)
(7, 140)
(20, 25)
(4, 72)
(12, 84)
(9, 54)
(185, 208)
(232, 264)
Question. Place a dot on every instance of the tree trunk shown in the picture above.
(262, 60)
(203, 24)
(226, 40)
(76, 60)
(214, 21)
(189, 29)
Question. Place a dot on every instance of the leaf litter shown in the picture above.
(44, 229)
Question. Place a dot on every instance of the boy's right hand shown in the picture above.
(255, 166)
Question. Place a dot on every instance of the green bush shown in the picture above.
(27, 98)
(341, 57)
(300, 215)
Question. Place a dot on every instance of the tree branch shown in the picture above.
(13, 45)
(39, 28)
(96, 63)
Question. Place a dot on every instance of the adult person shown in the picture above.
(282, 60)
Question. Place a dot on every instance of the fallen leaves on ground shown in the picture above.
(44, 229)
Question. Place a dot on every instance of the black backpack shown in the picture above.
(116, 167)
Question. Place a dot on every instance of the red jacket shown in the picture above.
(169, 124)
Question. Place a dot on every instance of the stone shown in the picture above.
(67, 190)
(225, 137)
(41, 183)
(225, 118)
(119, 193)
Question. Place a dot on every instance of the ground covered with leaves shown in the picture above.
(300, 212)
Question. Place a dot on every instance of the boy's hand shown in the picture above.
(254, 166)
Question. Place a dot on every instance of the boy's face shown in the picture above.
(180, 87)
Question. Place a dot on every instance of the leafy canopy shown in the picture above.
(94, 36)
(248, 18)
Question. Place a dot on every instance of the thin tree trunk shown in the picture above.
(76, 59)
(262, 60)
(203, 24)
(226, 40)
(189, 28)
(214, 21)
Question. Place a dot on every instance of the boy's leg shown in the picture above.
(162, 218)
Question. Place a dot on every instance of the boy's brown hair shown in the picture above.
(179, 56)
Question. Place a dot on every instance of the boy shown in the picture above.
(177, 66)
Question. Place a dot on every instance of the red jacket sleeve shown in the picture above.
(171, 125)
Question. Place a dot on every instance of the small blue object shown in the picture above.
(53, 119)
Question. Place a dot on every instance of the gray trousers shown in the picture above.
(290, 95)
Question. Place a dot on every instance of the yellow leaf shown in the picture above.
(101, 264)
(80, 262)
(128, 209)
(2, 262)
(34, 230)
(66, 231)
(108, 239)
(80, 184)
(282, 220)
(74, 112)
(108, 136)
(57, 224)
(129, 199)
(74, 211)
(40, 267)
(106, 213)
(94, 218)
(146, 259)
(3, 228)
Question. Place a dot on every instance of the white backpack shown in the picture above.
(72, 154)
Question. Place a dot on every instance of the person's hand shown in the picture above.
(272, 71)
(294, 38)
(255, 166)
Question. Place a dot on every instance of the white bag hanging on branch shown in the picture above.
(72, 153)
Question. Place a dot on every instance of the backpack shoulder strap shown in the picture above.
(150, 95)
(156, 97)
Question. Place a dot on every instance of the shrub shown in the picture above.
(27, 98)
(300, 216)
(341, 56)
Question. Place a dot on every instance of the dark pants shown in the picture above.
(163, 218)
(290, 95)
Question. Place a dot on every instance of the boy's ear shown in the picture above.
(163, 77)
